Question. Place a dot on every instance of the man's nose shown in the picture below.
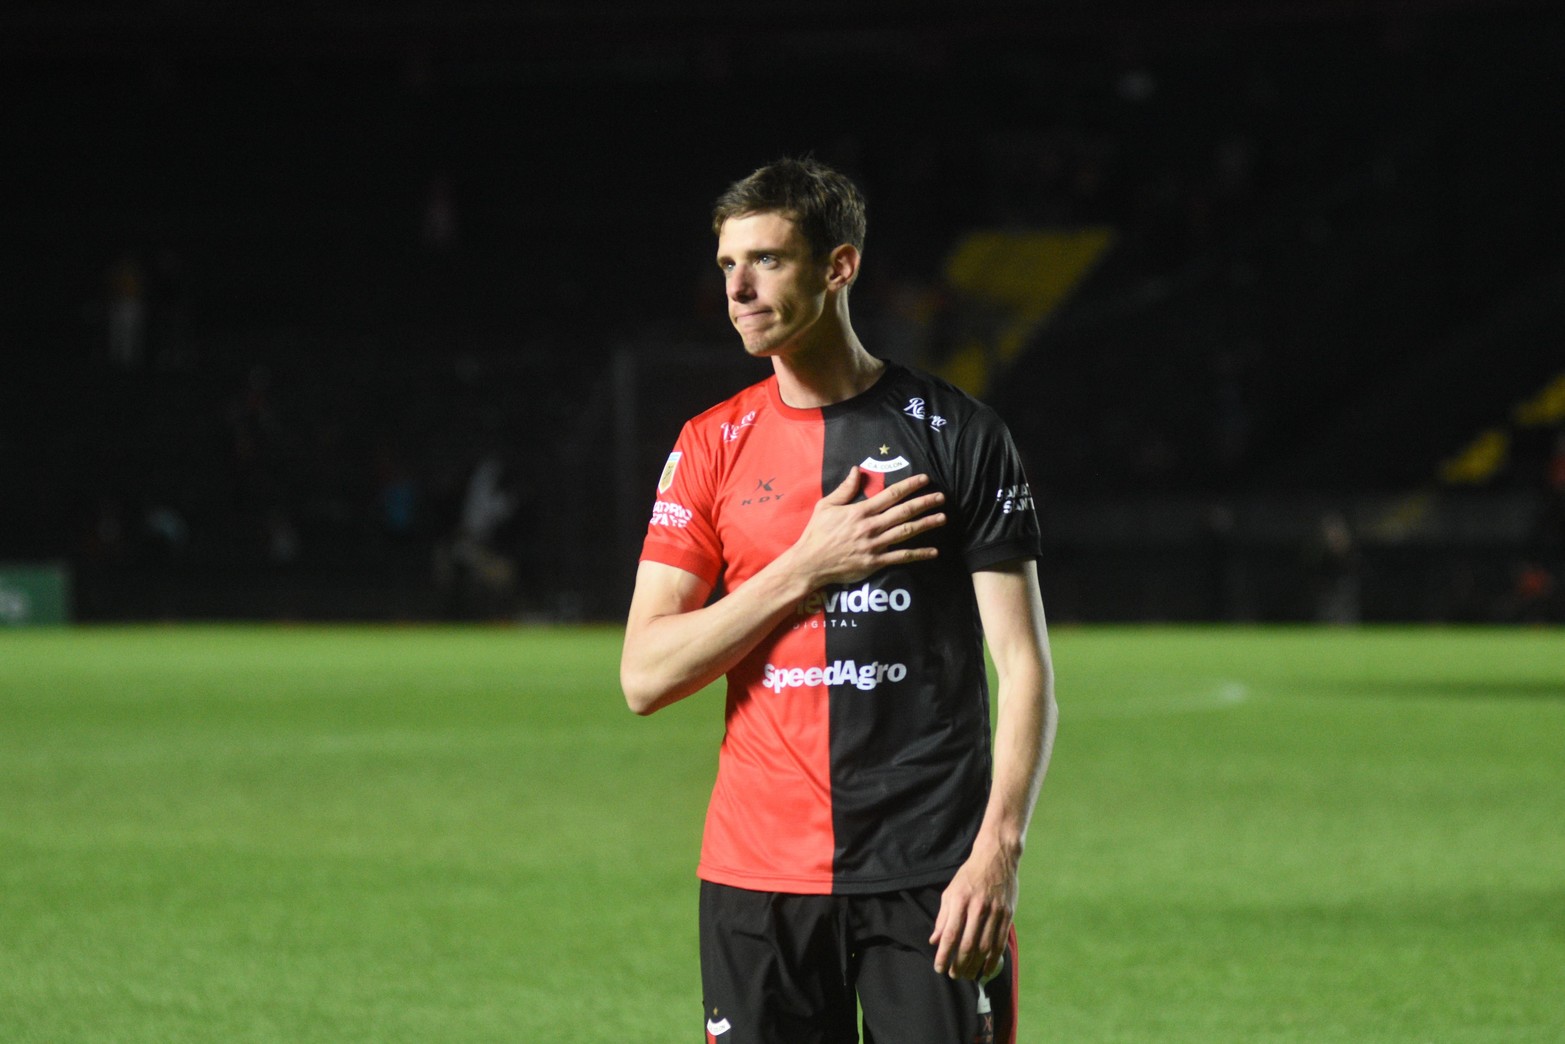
(739, 286)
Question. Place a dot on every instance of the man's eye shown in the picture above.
(767, 259)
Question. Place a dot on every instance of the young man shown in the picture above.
(865, 528)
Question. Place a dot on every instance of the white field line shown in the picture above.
(1223, 696)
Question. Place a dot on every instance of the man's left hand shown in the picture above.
(974, 923)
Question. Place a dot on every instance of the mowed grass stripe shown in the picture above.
(386, 834)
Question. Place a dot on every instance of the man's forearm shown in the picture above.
(671, 655)
(1011, 609)
(1024, 743)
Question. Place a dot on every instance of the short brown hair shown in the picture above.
(826, 205)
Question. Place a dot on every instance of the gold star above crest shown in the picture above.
(885, 450)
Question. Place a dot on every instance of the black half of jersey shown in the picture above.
(910, 750)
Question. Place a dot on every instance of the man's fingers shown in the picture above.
(969, 950)
(905, 521)
(903, 533)
(957, 938)
(853, 539)
(848, 488)
(970, 940)
(914, 508)
(945, 952)
(990, 944)
(944, 937)
(919, 518)
(886, 500)
(897, 490)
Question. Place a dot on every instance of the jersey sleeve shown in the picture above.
(681, 532)
(995, 502)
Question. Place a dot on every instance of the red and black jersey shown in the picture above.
(856, 757)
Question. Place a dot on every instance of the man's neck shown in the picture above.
(823, 375)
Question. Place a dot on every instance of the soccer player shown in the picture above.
(840, 540)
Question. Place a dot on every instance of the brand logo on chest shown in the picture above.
(763, 493)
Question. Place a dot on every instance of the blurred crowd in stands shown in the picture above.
(329, 317)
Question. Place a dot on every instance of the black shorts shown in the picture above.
(795, 969)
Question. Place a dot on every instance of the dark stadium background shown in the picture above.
(278, 278)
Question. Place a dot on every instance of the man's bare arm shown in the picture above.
(978, 906)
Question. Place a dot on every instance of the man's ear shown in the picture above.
(842, 267)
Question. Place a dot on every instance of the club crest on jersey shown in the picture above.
(875, 470)
(667, 478)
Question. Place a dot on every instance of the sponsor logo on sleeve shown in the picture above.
(668, 513)
(1014, 498)
(667, 478)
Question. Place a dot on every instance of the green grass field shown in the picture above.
(424, 834)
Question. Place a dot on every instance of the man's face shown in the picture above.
(776, 291)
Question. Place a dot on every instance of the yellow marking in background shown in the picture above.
(1023, 277)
